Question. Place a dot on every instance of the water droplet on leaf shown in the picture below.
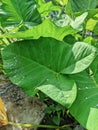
(86, 87)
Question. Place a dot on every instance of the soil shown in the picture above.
(19, 107)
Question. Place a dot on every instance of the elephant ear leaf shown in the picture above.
(35, 65)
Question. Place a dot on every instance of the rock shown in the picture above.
(20, 107)
(78, 127)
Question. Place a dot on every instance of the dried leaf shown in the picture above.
(3, 116)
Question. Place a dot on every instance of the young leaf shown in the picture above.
(92, 25)
(3, 116)
(85, 107)
(78, 22)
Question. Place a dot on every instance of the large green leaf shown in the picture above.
(86, 102)
(83, 5)
(46, 29)
(32, 64)
(15, 11)
(69, 59)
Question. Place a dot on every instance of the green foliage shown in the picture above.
(80, 58)
(86, 98)
(14, 12)
(57, 111)
(58, 57)
(45, 8)
(94, 69)
(46, 29)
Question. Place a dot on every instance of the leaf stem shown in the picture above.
(2, 31)
(4, 80)
(39, 126)
(84, 30)
(33, 125)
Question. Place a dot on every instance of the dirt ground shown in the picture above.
(20, 108)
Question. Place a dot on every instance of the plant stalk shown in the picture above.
(2, 31)
(39, 126)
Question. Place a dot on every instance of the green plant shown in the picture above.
(60, 61)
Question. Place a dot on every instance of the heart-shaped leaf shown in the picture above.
(37, 63)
